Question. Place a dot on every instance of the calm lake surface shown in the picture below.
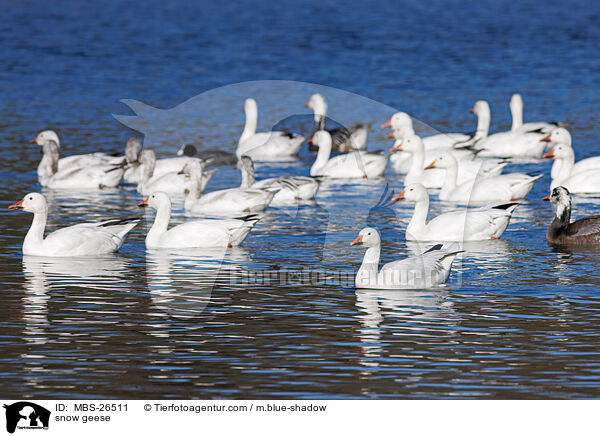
(517, 319)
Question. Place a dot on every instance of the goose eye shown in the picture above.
(31, 198)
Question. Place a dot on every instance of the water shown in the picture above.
(517, 319)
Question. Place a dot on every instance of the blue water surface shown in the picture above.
(518, 319)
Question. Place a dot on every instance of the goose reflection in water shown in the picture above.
(180, 282)
(411, 307)
(43, 275)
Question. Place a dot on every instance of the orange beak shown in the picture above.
(33, 141)
(387, 124)
(18, 205)
(472, 111)
(546, 198)
(549, 154)
(305, 104)
(309, 141)
(143, 203)
(430, 166)
(389, 135)
(357, 241)
(396, 148)
(399, 197)
(546, 138)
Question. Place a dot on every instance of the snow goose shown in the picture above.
(267, 145)
(172, 182)
(79, 160)
(343, 139)
(564, 157)
(215, 155)
(86, 239)
(434, 178)
(402, 123)
(462, 225)
(427, 270)
(351, 165)
(225, 202)
(516, 111)
(96, 176)
(193, 234)
(504, 187)
(503, 144)
(291, 188)
(134, 172)
(583, 232)
(401, 161)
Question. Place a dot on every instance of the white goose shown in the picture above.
(402, 123)
(343, 139)
(351, 165)
(582, 177)
(503, 144)
(225, 202)
(516, 111)
(505, 187)
(173, 182)
(86, 239)
(135, 172)
(427, 270)
(267, 145)
(434, 178)
(80, 160)
(401, 161)
(193, 234)
(96, 176)
(564, 155)
(462, 225)
(291, 188)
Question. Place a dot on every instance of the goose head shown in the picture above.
(318, 105)
(481, 108)
(132, 150)
(44, 136)
(148, 158)
(250, 106)
(561, 199)
(411, 144)
(398, 121)
(32, 202)
(413, 193)
(560, 151)
(157, 200)
(188, 150)
(558, 136)
(367, 237)
(443, 160)
(516, 102)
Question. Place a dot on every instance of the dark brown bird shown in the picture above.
(584, 232)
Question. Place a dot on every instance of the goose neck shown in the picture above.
(251, 122)
(35, 235)
(419, 217)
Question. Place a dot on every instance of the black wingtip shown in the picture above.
(118, 222)
(505, 206)
(436, 247)
(250, 217)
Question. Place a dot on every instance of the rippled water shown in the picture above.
(517, 319)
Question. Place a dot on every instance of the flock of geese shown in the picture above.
(467, 168)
